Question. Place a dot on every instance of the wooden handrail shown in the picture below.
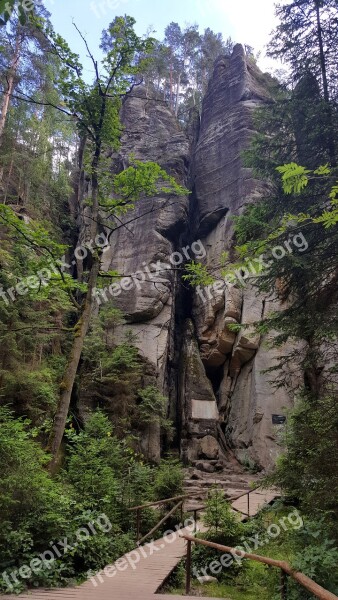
(306, 582)
(158, 503)
(181, 501)
(174, 509)
(183, 497)
(230, 499)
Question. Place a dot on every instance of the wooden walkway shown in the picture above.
(139, 574)
(258, 499)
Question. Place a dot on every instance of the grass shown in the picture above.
(249, 585)
(255, 580)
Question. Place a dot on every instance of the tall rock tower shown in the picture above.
(244, 403)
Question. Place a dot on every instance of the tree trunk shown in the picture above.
(171, 78)
(67, 384)
(331, 142)
(82, 326)
(7, 94)
(9, 178)
(178, 93)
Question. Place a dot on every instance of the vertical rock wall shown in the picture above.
(213, 376)
(234, 362)
(152, 233)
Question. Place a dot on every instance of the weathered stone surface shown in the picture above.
(205, 466)
(253, 402)
(149, 234)
(213, 374)
(221, 180)
(195, 389)
(223, 186)
(205, 579)
(209, 448)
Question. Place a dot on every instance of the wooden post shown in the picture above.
(284, 585)
(138, 524)
(195, 520)
(248, 494)
(188, 569)
(182, 513)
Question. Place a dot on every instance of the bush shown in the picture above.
(34, 508)
(316, 555)
(37, 510)
(221, 518)
(168, 480)
(224, 529)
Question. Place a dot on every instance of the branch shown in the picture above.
(91, 57)
(56, 107)
(46, 328)
(40, 247)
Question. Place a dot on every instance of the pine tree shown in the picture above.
(306, 39)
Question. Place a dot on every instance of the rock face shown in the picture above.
(142, 249)
(199, 347)
(234, 360)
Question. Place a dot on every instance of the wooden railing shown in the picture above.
(138, 509)
(285, 567)
(178, 506)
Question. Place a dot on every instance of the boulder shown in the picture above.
(209, 448)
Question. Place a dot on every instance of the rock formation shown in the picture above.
(234, 361)
(219, 395)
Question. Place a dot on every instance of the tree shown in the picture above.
(173, 39)
(301, 204)
(8, 8)
(22, 46)
(96, 110)
(306, 39)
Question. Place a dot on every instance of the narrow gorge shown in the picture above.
(221, 402)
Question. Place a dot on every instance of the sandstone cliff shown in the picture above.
(234, 362)
(219, 396)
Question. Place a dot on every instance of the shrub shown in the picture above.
(168, 480)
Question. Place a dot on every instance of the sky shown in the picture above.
(246, 21)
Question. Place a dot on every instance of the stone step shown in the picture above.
(224, 484)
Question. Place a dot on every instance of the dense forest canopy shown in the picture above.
(68, 189)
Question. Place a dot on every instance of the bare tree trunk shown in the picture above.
(82, 325)
(171, 79)
(9, 178)
(178, 93)
(7, 94)
(67, 384)
(331, 142)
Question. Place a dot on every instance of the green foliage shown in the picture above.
(307, 470)
(142, 178)
(219, 517)
(34, 508)
(224, 528)
(315, 555)
(168, 480)
(294, 178)
(153, 408)
(94, 463)
(197, 274)
(102, 476)
(7, 8)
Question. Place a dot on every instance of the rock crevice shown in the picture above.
(212, 372)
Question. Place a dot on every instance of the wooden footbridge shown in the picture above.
(140, 574)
